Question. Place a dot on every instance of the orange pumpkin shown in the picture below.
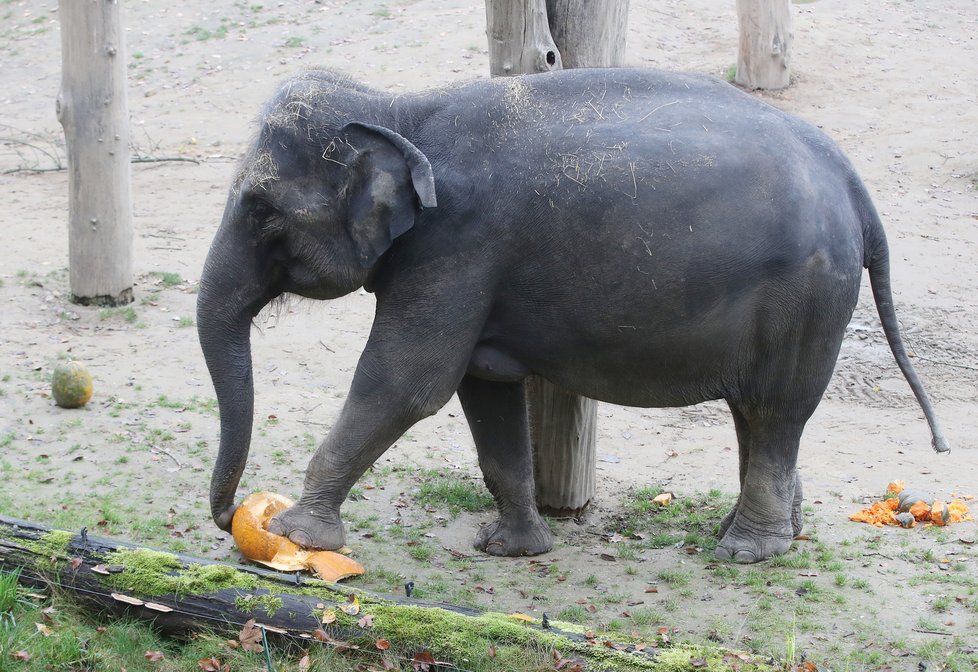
(249, 527)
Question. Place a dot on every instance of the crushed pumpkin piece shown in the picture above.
(914, 509)
(249, 527)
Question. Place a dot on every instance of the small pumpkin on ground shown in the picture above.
(71, 385)
(249, 527)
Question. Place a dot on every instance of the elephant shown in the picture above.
(638, 237)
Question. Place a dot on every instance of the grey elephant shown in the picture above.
(637, 237)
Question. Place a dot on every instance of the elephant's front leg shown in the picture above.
(496, 413)
(373, 417)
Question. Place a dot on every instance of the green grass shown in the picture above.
(167, 279)
(454, 493)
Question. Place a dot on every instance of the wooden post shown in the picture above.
(764, 56)
(519, 38)
(589, 34)
(530, 36)
(92, 109)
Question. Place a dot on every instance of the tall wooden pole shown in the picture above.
(92, 109)
(531, 36)
(764, 55)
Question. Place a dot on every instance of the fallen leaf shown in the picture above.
(75, 564)
(665, 499)
(522, 617)
(367, 621)
(21, 655)
(48, 613)
(304, 663)
(321, 635)
(43, 629)
(422, 661)
(328, 616)
(492, 650)
(382, 644)
(153, 656)
(651, 589)
(209, 664)
(607, 556)
(352, 606)
(250, 637)
(697, 662)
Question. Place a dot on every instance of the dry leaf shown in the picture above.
(522, 617)
(21, 655)
(665, 499)
(43, 629)
(367, 621)
(153, 656)
(209, 664)
(48, 613)
(352, 606)
(492, 650)
(250, 637)
(382, 644)
(75, 564)
(329, 616)
(423, 661)
(304, 663)
(651, 589)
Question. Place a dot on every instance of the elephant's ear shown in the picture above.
(390, 182)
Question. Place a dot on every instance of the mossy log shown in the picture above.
(179, 594)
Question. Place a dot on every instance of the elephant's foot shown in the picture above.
(307, 529)
(797, 519)
(504, 537)
(746, 543)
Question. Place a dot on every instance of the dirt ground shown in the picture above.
(894, 82)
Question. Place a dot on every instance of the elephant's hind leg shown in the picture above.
(763, 522)
(496, 413)
(744, 444)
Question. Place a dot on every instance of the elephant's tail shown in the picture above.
(877, 259)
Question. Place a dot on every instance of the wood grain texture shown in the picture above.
(764, 54)
(93, 112)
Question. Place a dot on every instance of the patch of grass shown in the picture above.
(692, 520)
(128, 314)
(295, 42)
(730, 74)
(574, 614)
(202, 34)
(673, 577)
(166, 278)
(455, 493)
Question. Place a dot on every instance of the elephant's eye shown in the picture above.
(262, 211)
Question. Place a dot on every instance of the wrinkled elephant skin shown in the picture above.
(637, 237)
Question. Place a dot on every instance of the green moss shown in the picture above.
(50, 548)
(154, 573)
(252, 603)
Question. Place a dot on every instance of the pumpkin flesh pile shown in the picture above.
(923, 509)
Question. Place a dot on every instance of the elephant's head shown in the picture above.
(314, 207)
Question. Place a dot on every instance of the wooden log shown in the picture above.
(93, 111)
(182, 594)
(764, 55)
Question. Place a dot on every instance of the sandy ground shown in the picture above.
(894, 82)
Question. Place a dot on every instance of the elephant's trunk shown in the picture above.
(230, 296)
